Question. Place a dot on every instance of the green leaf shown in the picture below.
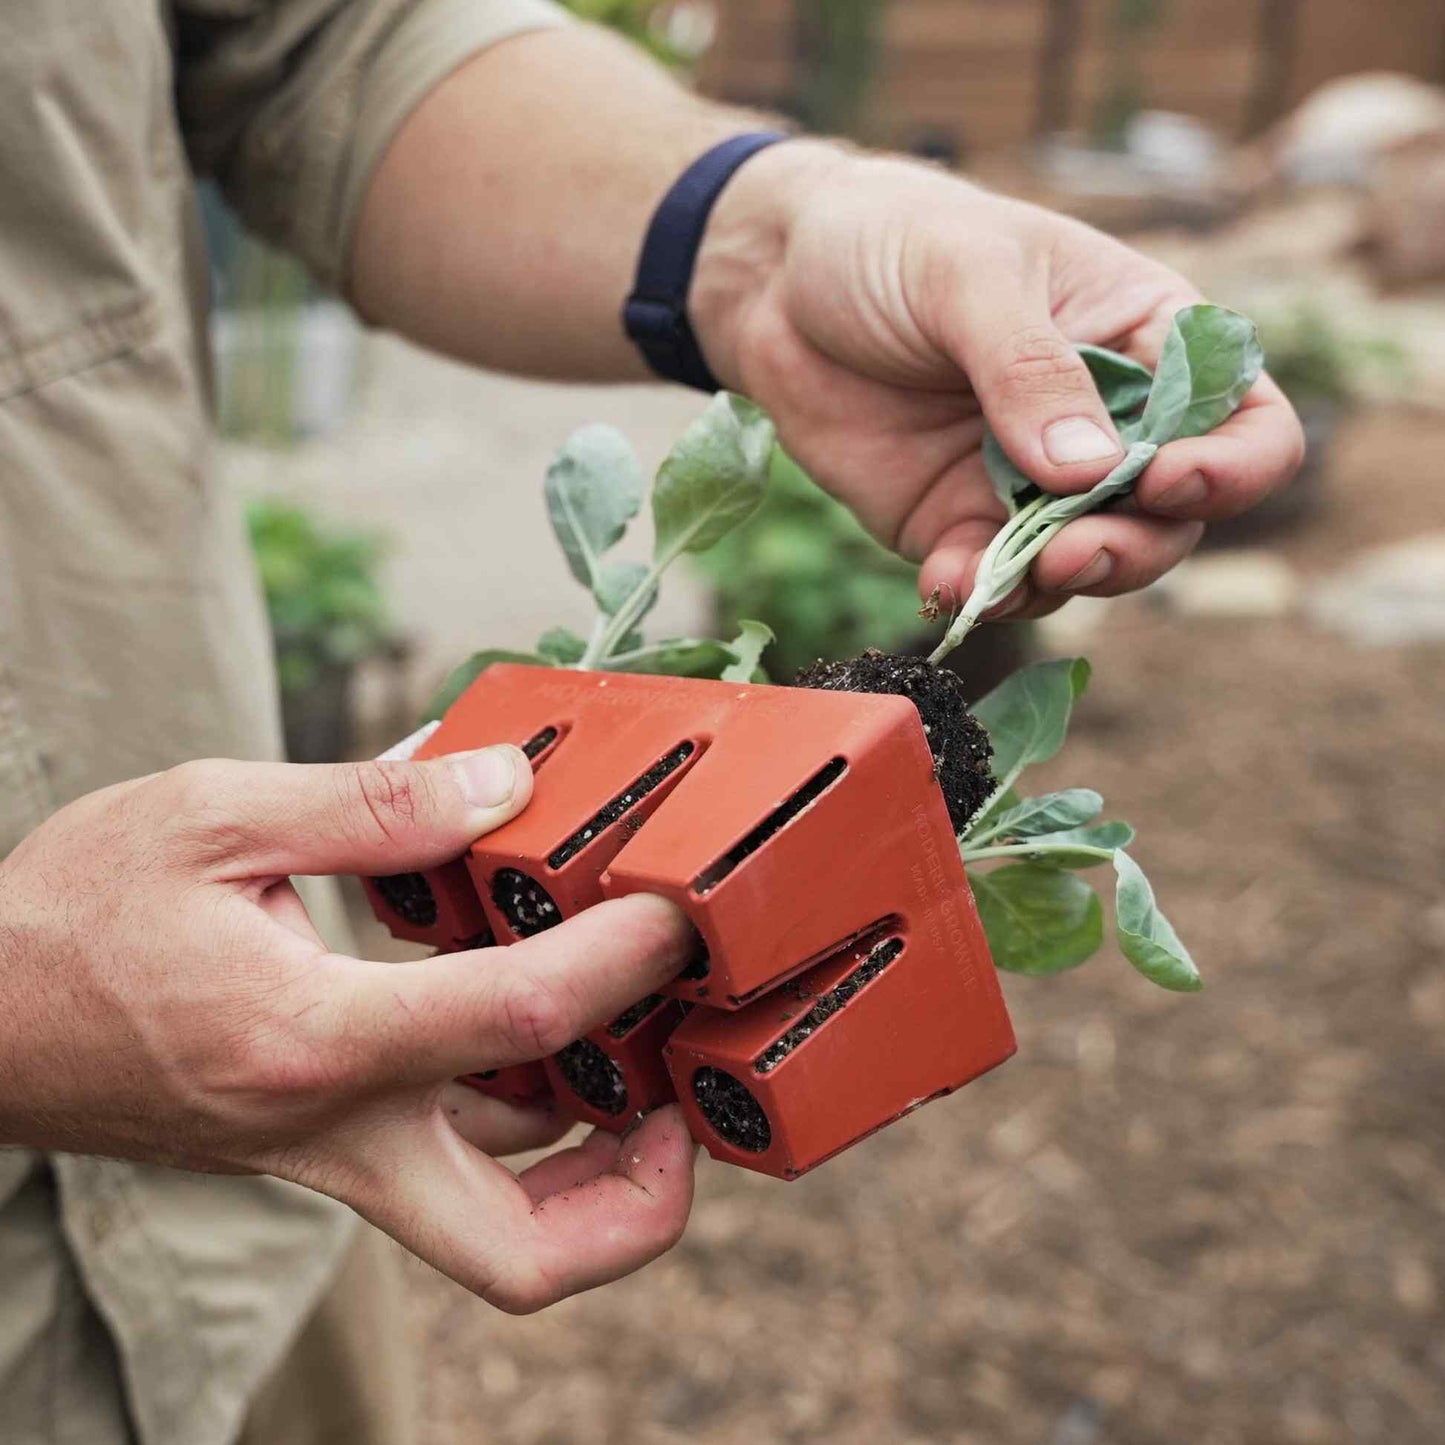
(1027, 715)
(561, 646)
(679, 657)
(996, 807)
(1012, 487)
(1039, 921)
(747, 650)
(1147, 938)
(461, 678)
(713, 478)
(617, 582)
(1210, 359)
(1057, 850)
(1049, 813)
(594, 488)
(1123, 383)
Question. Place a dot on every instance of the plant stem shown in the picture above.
(607, 632)
(1022, 850)
(595, 641)
(989, 804)
(1008, 557)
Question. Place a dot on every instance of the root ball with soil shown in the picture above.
(960, 747)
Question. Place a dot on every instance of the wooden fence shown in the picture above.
(976, 74)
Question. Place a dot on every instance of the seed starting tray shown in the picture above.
(842, 976)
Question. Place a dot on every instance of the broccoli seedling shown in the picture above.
(712, 479)
(1211, 359)
(1040, 916)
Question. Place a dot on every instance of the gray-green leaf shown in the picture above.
(462, 677)
(594, 488)
(1039, 921)
(1012, 487)
(1049, 813)
(747, 650)
(617, 582)
(1027, 715)
(561, 646)
(1080, 847)
(1123, 383)
(1147, 938)
(679, 657)
(713, 478)
(1211, 358)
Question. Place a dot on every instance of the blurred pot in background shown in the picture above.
(328, 616)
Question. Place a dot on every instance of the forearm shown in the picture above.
(503, 225)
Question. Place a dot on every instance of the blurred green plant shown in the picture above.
(803, 565)
(1315, 360)
(1130, 23)
(266, 293)
(838, 43)
(322, 593)
(639, 20)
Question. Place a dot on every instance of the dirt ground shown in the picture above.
(1217, 1218)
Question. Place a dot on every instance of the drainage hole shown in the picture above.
(699, 965)
(593, 1077)
(525, 904)
(729, 1106)
(409, 896)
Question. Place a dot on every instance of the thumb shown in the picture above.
(1037, 395)
(373, 817)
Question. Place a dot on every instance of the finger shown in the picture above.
(260, 819)
(467, 1216)
(961, 493)
(463, 1013)
(1233, 468)
(498, 1127)
(643, 1187)
(1106, 555)
(571, 1168)
(283, 903)
(953, 563)
(1037, 395)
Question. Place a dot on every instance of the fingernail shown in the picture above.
(1091, 573)
(488, 777)
(1186, 492)
(1077, 439)
(1014, 603)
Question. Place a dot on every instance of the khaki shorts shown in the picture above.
(349, 1379)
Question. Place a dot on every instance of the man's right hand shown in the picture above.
(167, 999)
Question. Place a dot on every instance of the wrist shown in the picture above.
(746, 243)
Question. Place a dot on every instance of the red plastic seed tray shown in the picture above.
(788, 824)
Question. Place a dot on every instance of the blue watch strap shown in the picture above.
(655, 315)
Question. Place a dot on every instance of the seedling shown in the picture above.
(714, 478)
(1210, 360)
(1040, 917)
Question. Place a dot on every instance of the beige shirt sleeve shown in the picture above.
(290, 104)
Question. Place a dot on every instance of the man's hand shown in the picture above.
(877, 308)
(881, 310)
(167, 1000)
